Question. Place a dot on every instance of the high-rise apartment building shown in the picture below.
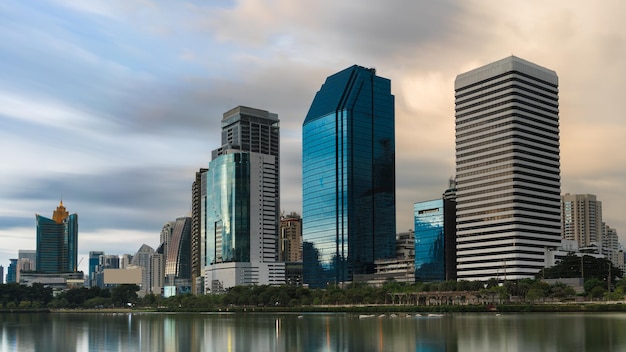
(157, 272)
(241, 216)
(57, 242)
(508, 169)
(290, 238)
(348, 177)
(198, 207)
(581, 216)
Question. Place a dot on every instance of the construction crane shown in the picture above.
(77, 265)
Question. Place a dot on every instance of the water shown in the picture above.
(312, 332)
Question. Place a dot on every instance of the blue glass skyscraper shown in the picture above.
(348, 176)
(57, 242)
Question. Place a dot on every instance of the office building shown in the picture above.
(249, 130)
(1, 275)
(57, 242)
(581, 216)
(435, 242)
(508, 186)
(94, 261)
(142, 258)
(12, 271)
(241, 198)
(399, 269)
(26, 261)
(125, 261)
(29, 255)
(178, 262)
(290, 238)
(348, 177)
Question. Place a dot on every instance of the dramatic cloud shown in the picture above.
(113, 105)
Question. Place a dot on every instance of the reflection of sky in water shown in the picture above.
(312, 332)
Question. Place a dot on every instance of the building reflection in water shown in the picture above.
(311, 332)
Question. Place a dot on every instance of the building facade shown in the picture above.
(290, 238)
(94, 261)
(198, 207)
(581, 216)
(348, 177)
(508, 169)
(241, 203)
(12, 271)
(429, 241)
(57, 242)
(178, 263)
(142, 258)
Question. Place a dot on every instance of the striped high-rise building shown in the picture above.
(508, 169)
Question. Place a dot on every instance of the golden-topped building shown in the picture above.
(57, 242)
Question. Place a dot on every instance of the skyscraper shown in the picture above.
(57, 242)
(198, 207)
(348, 177)
(508, 169)
(241, 215)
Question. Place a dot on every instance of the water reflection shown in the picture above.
(311, 332)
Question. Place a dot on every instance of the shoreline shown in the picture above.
(501, 308)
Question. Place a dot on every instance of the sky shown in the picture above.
(113, 105)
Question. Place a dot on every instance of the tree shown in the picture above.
(586, 266)
(123, 294)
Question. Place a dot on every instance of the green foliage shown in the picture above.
(616, 295)
(122, 295)
(534, 294)
(16, 293)
(561, 291)
(588, 267)
(79, 297)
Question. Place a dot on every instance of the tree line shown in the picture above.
(602, 280)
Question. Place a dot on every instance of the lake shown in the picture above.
(312, 332)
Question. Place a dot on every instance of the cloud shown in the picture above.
(115, 104)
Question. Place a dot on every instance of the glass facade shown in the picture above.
(348, 177)
(178, 263)
(57, 244)
(228, 209)
(429, 241)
